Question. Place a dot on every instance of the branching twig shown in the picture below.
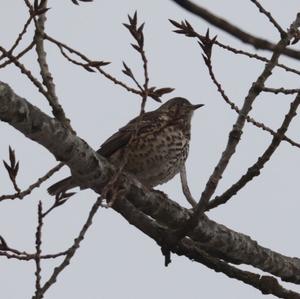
(90, 64)
(25, 71)
(22, 53)
(154, 93)
(138, 35)
(26, 192)
(20, 36)
(128, 72)
(236, 132)
(245, 37)
(60, 199)
(187, 29)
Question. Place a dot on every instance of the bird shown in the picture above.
(156, 145)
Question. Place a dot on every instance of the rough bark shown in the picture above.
(93, 171)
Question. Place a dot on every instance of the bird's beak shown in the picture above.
(197, 106)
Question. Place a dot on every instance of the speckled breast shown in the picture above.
(156, 157)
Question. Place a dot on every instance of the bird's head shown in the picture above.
(179, 108)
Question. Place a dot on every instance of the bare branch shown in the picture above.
(236, 132)
(38, 243)
(90, 64)
(22, 53)
(72, 249)
(281, 90)
(245, 37)
(186, 28)
(25, 71)
(138, 35)
(270, 17)
(255, 56)
(12, 169)
(20, 36)
(188, 248)
(48, 81)
(37, 184)
(93, 171)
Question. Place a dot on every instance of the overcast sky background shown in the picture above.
(117, 260)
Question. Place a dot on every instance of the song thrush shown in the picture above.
(158, 149)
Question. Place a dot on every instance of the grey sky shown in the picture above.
(116, 259)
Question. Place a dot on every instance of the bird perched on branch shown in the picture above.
(153, 147)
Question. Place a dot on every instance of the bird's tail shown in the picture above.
(61, 186)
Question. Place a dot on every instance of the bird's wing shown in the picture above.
(121, 138)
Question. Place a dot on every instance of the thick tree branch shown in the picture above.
(94, 171)
(48, 81)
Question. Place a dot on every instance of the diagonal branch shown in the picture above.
(93, 171)
(188, 248)
(269, 16)
(26, 192)
(187, 29)
(48, 81)
(71, 251)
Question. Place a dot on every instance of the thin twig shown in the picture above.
(48, 81)
(138, 35)
(270, 17)
(62, 46)
(26, 192)
(281, 90)
(22, 53)
(128, 72)
(23, 256)
(92, 64)
(255, 56)
(20, 36)
(25, 71)
(38, 243)
(188, 30)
